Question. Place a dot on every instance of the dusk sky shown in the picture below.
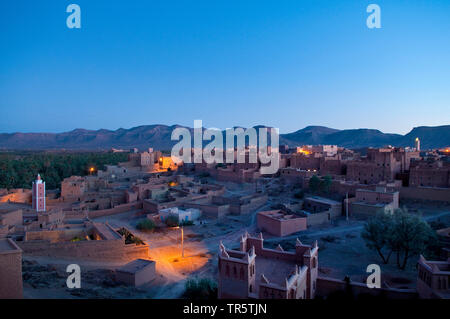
(287, 64)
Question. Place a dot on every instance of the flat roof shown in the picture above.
(8, 246)
(322, 200)
(135, 266)
(275, 270)
(376, 191)
(370, 204)
(10, 207)
(280, 215)
(106, 232)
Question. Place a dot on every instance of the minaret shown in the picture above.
(38, 194)
(417, 144)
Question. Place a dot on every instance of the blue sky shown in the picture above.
(287, 64)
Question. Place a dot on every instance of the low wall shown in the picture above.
(10, 270)
(75, 214)
(321, 218)
(279, 227)
(96, 250)
(115, 210)
(12, 218)
(326, 286)
(54, 235)
(254, 204)
(425, 193)
(210, 210)
(367, 210)
(151, 206)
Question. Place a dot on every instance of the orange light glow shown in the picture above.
(303, 151)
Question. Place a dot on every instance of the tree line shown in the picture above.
(18, 170)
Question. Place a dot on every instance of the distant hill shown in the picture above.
(309, 135)
(430, 137)
(158, 137)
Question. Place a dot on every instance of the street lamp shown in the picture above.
(182, 242)
(346, 206)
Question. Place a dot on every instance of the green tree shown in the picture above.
(145, 225)
(172, 221)
(410, 236)
(300, 194)
(325, 184)
(314, 184)
(405, 234)
(376, 234)
(204, 288)
(18, 169)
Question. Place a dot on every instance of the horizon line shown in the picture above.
(179, 125)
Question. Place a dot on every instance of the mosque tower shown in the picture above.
(38, 194)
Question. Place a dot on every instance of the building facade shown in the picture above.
(433, 279)
(262, 273)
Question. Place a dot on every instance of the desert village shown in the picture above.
(256, 236)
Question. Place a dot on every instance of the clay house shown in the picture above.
(10, 215)
(297, 176)
(73, 188)
(433, 279)
(320, 210)
(380, 164)
(10, 270)
(281, 223)
(182, 215)
(429, 174)
(262, 273)
(137, 272)
(86, 240)
(220, 206)
(368, 202)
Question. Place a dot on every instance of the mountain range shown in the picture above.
(158, 137)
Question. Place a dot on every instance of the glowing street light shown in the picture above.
(182, 240)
